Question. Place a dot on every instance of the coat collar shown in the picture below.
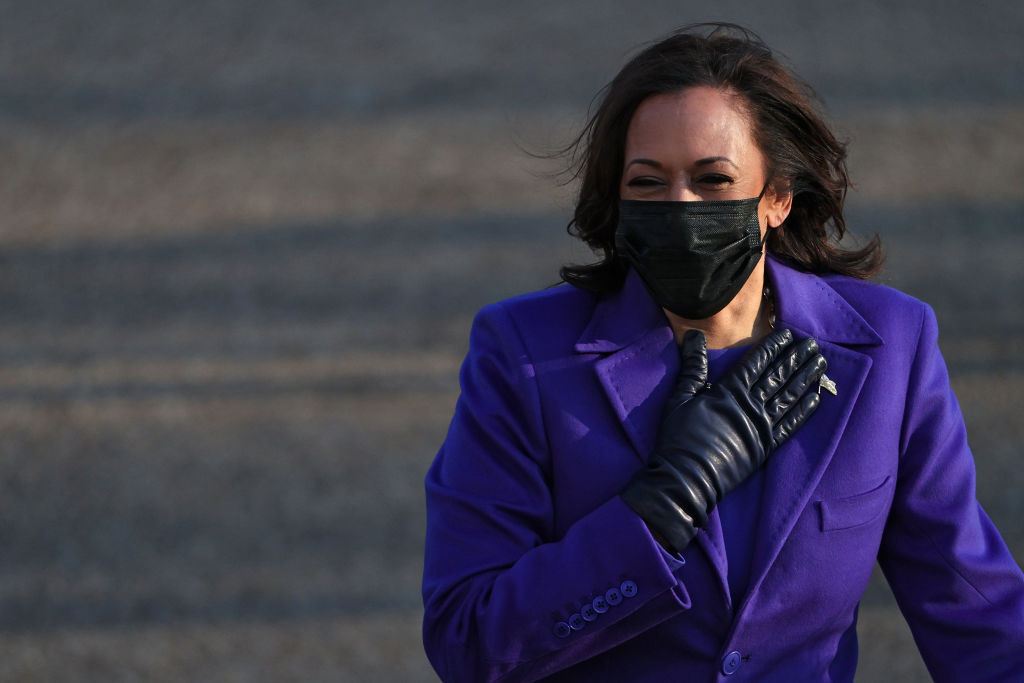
(640, 361)
(805, 302)
(622, 319)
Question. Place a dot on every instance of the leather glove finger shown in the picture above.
(795, 418)
(782, 370)
(803, 379)
(693, 369)
(757, 361)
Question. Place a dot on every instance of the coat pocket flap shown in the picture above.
(846, 513)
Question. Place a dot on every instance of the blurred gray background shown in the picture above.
(241, 244)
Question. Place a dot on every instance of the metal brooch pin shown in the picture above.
(828, 385)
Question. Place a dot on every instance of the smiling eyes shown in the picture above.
(714, 180)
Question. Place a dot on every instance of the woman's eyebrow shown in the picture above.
(645, 162)
(711, 160)
(706, 161)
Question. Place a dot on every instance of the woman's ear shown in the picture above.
(779, 198)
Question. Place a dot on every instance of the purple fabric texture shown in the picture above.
(534, 568)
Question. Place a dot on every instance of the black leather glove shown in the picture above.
(712, 438)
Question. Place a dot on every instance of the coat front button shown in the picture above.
(576, 622)
(628, 589)
(588, 613)
(562, 629)
(600, 604)
(613, 595)
(731, 663)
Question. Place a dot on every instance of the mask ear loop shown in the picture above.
(767, 292)
(768, 228)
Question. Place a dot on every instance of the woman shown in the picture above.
(649, 476)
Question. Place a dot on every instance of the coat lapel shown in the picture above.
(810, 307)
(641, 363)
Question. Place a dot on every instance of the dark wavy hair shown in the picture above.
(802, 154)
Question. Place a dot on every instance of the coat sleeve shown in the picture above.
(503, 598)
(953, 577)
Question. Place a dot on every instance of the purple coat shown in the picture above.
(534, 567)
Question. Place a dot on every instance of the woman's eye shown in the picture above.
(715, 179)
(644, 182)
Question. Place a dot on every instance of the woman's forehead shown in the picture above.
(699, 122)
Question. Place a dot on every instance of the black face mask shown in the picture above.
(693, 256)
